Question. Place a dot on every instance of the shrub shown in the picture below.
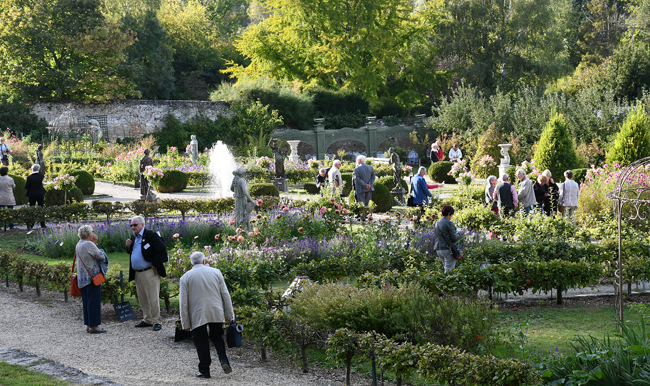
(386, 107)
(347, 187)
(382, 197)
(579, 175)
(328, 102)
(54, 197)
(263, 189)
(172, 181)
(439, 171)
(633, 141)
(388, 182)
(311, 188)
(18, 116)
(84, 181)
(555, 149)
(338, 121)
(19, 191)
(488, 144)
(476, 217)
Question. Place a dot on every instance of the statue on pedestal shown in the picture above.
(145, 193)
(397, 169)
(244, 203)
(194, 150)
(506, 155)
(278, 156)
(39, 158)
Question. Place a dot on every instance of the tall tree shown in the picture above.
(62, 49)
(601, 30)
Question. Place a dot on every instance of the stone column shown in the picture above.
(505, 161)
(319, 128)
(373, 146)
(294, 150)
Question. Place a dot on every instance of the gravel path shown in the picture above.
(51, 329)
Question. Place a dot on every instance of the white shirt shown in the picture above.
(4, 148)
(455, 154)
(569, 192)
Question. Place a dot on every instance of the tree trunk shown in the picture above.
(399, 381)
(168, 305)
(629, 288)
(263, 354)
(348, 364)
(65, 295)
(305, 363)
(38, 289)
(559, 295)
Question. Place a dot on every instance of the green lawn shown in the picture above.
(15, 375)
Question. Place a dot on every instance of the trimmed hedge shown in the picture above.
(263, 189)
(438, 171)
(19, 190)
(382, 197)
(347, 178)
(173, 181)
(388, 182)
(54, 197)
(311, 188)
(84, 181)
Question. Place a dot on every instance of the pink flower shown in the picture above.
(240, 239)
(259, 202)
(176, 235)
(250, 234)
(278, 216)
(285, 209)
(332, 200)
(210, 261)
(337, 211)
(323, 210)
(300, 230)
(232, 222)
(216, 237)
(179, 251)
(345, 211)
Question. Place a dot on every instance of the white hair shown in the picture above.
(336, 162)
(84, 231)
(505, 178)
(547, 173)
(422, 169)
(361, 158)
(521, 171)
(322, 170)
(490, 179)
(139, 218)
(36, 167)
(197, 258)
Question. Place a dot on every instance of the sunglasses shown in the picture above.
(133, 225)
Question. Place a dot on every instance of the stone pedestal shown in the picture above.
(398, 196)
(281, 184)
(294, 150)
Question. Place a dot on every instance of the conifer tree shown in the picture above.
(488, 144)
(633, 141)
(555, 149)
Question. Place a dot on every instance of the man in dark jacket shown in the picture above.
(146, 266)
(506, 197)
(34, 189)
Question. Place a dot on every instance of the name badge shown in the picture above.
(147, 246)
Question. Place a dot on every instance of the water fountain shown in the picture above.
(222, 164)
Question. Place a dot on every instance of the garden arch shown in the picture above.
(631, 199)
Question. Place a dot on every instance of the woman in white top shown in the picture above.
(455, 154)
(7, 186)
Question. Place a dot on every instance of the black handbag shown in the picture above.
(409, 201)
(233, 335)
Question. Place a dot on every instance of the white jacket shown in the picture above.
(204, 297)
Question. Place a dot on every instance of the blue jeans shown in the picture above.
(527, 210)
(91, 298)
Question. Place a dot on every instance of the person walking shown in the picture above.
(446, 237)
(89, 259)
(569, 193)
(506, 197)
(147, 255)
(526, 194)
(7, 186)
(419, 189)
(334, 177)
(364, 180)
(35, 191)
(205, 303)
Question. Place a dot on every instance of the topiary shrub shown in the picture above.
(382, 197)
(54, 197)
(84, 181)
(488, 144)
(438, 171)
(579, 175)
(263, 189)
(19, 190)
(311, 188)
(347, 188)
(172, 181)
(555, 149)
(388, 181)
(633, 141)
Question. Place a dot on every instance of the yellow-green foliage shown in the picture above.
(488, 144)
(555, 149)
(633, 141)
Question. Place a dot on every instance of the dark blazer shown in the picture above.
(156, 254)
(34, 185)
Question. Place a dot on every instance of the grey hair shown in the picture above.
(521, 171)
(547, 173)
(490, 179)
(361, 158)
(505, 178)
(84, 231)
(422, 169)
(197, 258)
(322, 170)
(36, 167)
(337, 162)
(569, 174)
(139, 218)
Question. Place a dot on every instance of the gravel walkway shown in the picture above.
(53, 330)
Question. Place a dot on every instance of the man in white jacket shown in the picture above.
(204, 298)
(526, 194)
(569, 193)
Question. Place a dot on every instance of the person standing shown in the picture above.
(7, 186)
(4, 152)
(506, 197)
(419, 188)
(526, 194)
(35, 191)
(146, 266)
(550, 205)
(489, 194)
(541, 194)
(455, 154)
(569, 193)
(334, 177)
(446, 237)
(364, 179)
(434, 153)
(88, 260)
(321, 180)
(205, 303)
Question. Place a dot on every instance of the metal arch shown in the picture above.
(631, 189)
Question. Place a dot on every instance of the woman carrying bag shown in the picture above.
(91, 270)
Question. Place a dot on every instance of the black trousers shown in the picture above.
(202, 344)
(40, 200)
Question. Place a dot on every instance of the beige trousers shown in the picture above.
(147, 284)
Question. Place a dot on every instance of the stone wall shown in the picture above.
(131, 118)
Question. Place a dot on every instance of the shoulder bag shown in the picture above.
(97, 279)
(74, 285)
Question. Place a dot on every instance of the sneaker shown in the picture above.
(201, 375)
(226, 368)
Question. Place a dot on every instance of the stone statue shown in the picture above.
(39, 158)
(278, 155)
(397, 169)
(194, 150)
(506, 155)
(145, 161)
(244, 203)
(95, 130)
